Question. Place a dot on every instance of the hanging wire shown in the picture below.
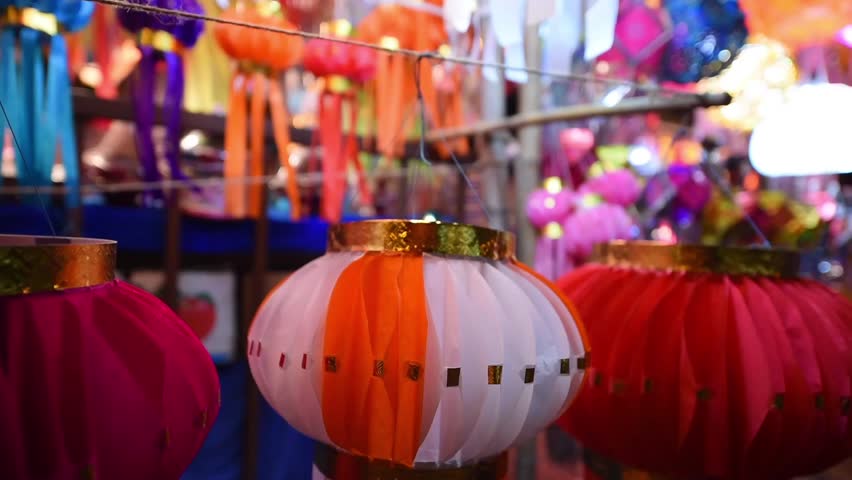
(128, 5)
(421, 104)
(27, 166)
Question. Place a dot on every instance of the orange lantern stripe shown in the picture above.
(374, 357)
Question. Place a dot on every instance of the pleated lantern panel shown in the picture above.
(98, 379)
(420, 344)
(712, 362)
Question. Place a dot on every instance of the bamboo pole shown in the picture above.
(629, 106)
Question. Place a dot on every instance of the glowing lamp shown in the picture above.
(809, 135)
(712, 362)
(98, 379)
(425, 345)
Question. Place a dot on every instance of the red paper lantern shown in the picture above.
(98, 379)
(712, 362)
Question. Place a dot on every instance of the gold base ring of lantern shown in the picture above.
(412, 236)
(327, 459)
(31, 264)
(700, 258)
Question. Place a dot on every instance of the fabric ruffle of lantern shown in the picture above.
(707, 36)
(797, 23)
(395, 94)
(420, 344)
(619, 187)
(345, 68)
(260, 57)
(95, 382)
(160, 39)
(641, 35)
(712, 363)
(35, 88)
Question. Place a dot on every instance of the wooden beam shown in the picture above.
(629, 106)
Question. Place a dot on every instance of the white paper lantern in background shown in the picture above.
(808, 135)
(422, 344)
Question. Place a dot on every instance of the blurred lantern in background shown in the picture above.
(260, 57)
(160, 40)
(549, 204)
(577, 143)
(98, 379)
(707, 36)
(712, 362)
(807, 135)
(344, 69)
(422, 344)
(759, 80)
(798, 23)
(641, 34)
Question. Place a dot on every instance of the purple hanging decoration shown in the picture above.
(161, 38)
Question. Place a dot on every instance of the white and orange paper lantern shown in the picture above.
(419, 344)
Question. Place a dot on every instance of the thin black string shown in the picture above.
(421, 104)
(717, 179)
(397, 51)
(26, 165)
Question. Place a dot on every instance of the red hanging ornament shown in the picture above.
(98, 379)
(344, 68)
(712, 362)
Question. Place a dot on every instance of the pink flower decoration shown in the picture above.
(619, 187)
(590, 226)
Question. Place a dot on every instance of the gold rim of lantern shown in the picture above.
(326, 460)
(419, 237)
(33, 264)
(700, 258)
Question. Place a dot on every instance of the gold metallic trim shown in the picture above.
(331, 364)
(564, 366)
(379, 368)
(819, 401)
(33, 18)
(326, 460)
(699, 258)
(47, 264)
(417, 237)
(529, 375)
(495, 374)
(160, 40)
(453, 376)
(413, 371)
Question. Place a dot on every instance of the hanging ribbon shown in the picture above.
(160, 41)
(44, 90)
(236, 130)
(344, 69)
(260, 58)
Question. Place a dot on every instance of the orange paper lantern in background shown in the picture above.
(395, 27)
(712, 362)
(422, 344)
(797, 23)
(260, 57)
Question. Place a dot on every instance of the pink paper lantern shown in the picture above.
(577, 143)
(544, 207)
(619, 187)
(597, 224)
